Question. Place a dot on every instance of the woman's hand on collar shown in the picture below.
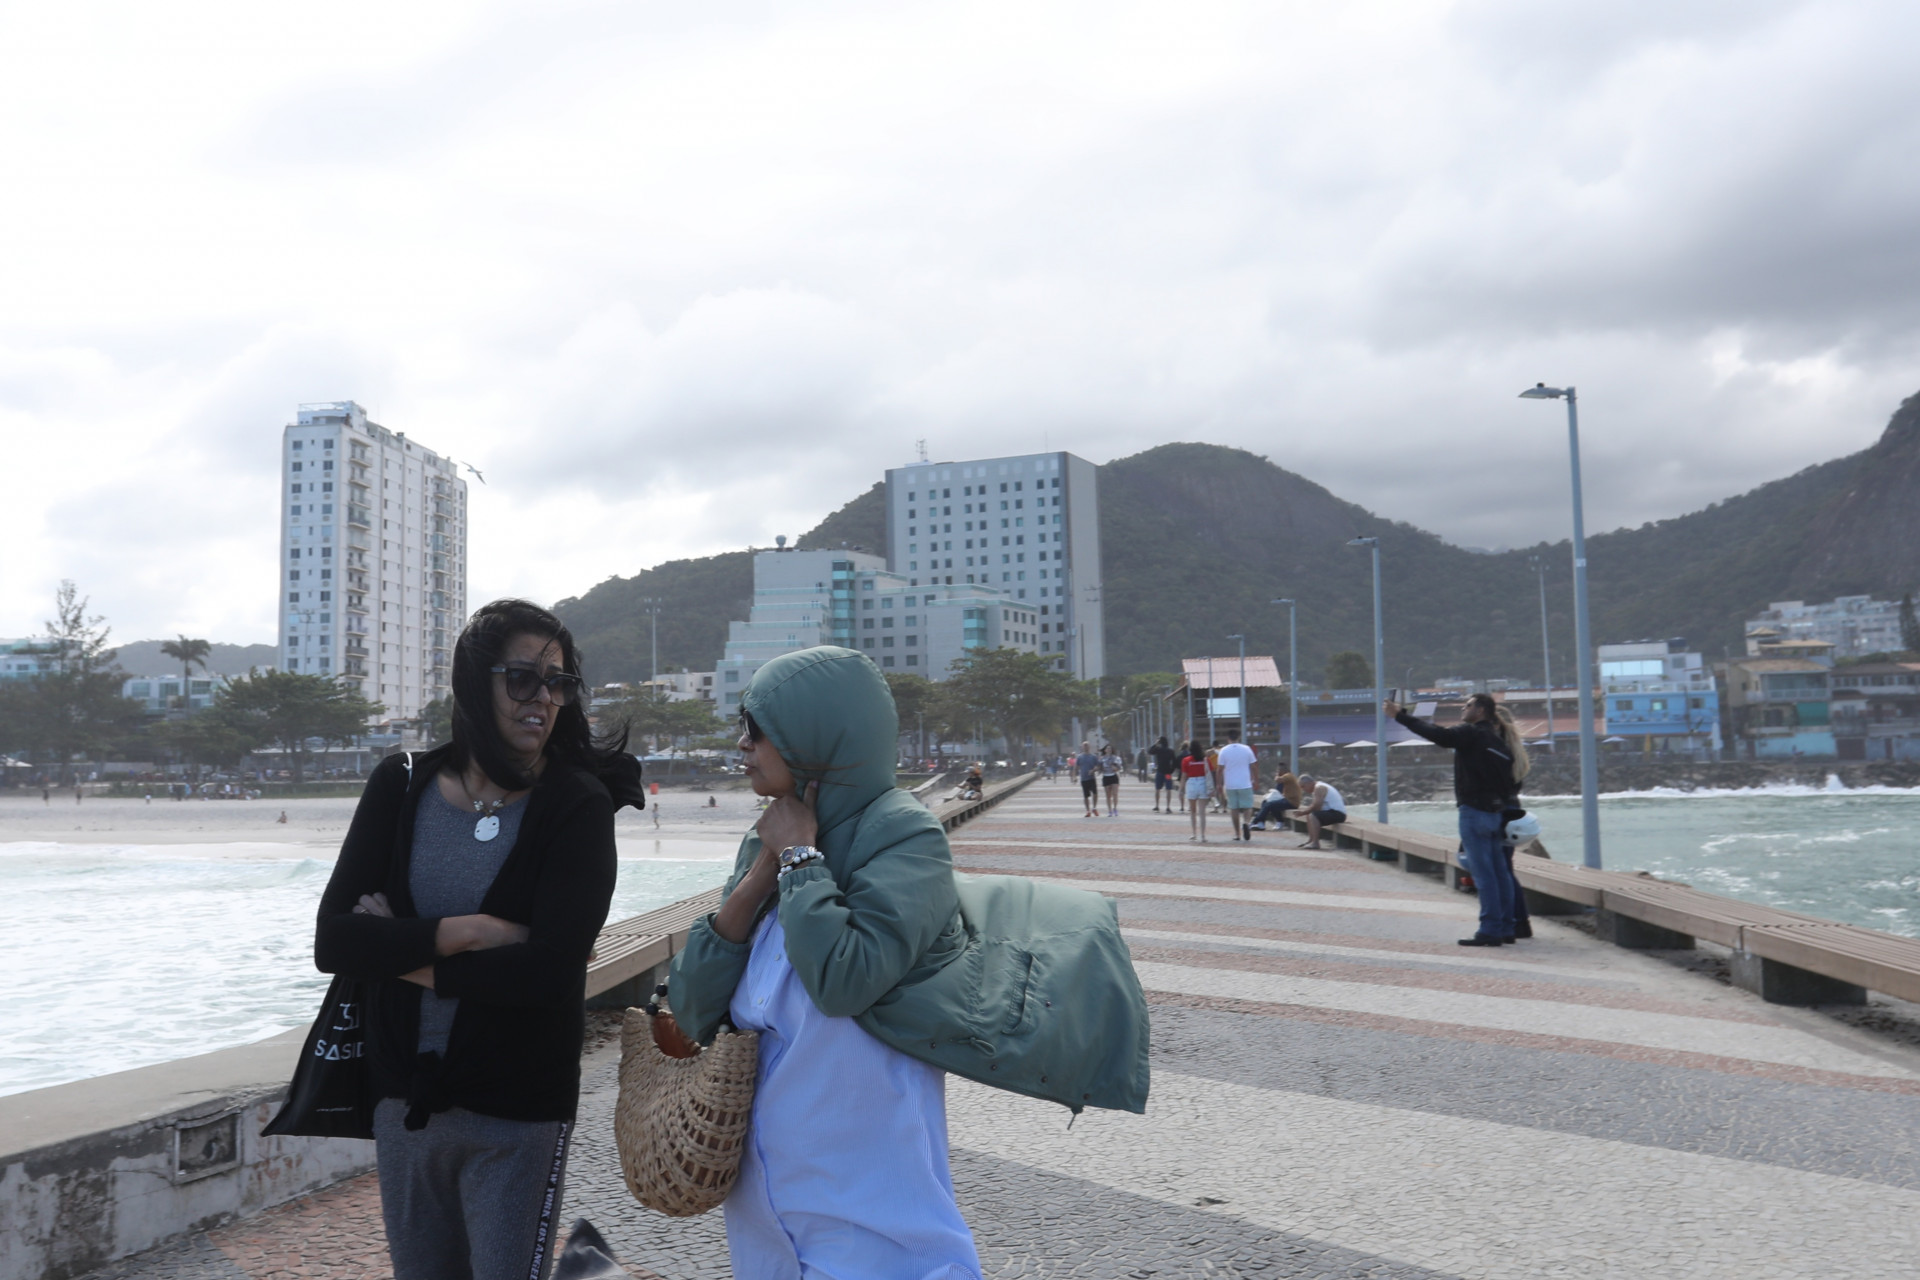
(790, 820)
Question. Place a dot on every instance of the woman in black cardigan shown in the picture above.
(468, 895)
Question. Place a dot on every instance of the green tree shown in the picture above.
(1909, 625)
(75, 709)
(436, 721)
(189, 654)
(1349, 669)
(914, 697)
(217, 736)
(292, 710)
(1016, 695)
(649, 711)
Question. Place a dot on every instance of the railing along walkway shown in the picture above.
(629, 953)
(1782, 956)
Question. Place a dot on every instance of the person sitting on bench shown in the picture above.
(1324, 808)
(1282, 800)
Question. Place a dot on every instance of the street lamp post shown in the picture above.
(1293, 692)
(1212, 737)
(1246, 730)
(653, 643)
(1546, 650)
(1379, 678)
(1582, 635)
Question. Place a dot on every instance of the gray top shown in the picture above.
(450, 874)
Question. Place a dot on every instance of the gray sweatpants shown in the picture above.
(470, 1197)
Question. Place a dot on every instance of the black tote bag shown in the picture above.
(332, 1091)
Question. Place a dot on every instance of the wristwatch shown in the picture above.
(799, 855)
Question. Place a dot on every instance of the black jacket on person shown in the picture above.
(1482, 764)
(514, 1049)
(1165, 759)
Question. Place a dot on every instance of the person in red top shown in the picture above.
(1198, 775)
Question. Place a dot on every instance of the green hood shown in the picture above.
(829, 713)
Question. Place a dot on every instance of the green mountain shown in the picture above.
(1197, 539)
(697, 598)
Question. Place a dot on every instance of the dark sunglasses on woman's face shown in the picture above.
(523, 684)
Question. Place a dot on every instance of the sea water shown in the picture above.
(119, 956)
(1851, 856)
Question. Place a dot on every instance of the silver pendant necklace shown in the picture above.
(488, 825)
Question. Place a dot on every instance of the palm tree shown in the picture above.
(189, 654)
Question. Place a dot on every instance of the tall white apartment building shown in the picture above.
(1027, 526)
(373, 551)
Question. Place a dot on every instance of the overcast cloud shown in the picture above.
(678, 280)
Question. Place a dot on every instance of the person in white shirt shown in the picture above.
(1236, 779)
(1325, 808)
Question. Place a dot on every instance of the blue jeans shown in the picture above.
(1486, 859)
(1270, 811)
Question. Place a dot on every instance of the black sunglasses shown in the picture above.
(523, 685)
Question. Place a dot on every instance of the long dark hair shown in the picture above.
(476, 738)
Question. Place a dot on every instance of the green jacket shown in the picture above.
(1015, 984)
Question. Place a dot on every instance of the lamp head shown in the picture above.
(1287, 602)
(1363, 542)
(1541, 391)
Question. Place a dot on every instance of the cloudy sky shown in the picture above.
(681, 278)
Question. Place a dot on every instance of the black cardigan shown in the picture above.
(514, 1050)
(1482, 764)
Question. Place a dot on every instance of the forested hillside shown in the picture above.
(697, 597)
(1197, 539)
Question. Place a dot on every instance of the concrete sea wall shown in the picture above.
(102, 1168)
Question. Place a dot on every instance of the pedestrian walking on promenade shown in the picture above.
(870, 970)
(1237, 761)
(1166, 761)
(1196, 776)
(1110, 766)
(1213, 775)
(1086, 766)
(1489, 765)
(467, 897)
(1325, 807)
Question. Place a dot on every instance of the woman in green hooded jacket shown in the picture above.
(846, 933)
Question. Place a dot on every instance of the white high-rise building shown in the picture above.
(849, 598)
(373, 552)
(1027, 526)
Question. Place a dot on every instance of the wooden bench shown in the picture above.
(953, 813)
(1785, 957)
(630, 956)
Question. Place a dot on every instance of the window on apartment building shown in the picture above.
(1623, 706)
(866, 624)
(913, 659)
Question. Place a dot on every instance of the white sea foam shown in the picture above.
(124, 955)
(1851, 855)
(1832, 787)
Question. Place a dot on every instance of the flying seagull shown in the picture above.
(476, 472)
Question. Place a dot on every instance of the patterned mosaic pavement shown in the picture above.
(1340, 1090)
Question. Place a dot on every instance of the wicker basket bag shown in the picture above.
(681, 1119)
